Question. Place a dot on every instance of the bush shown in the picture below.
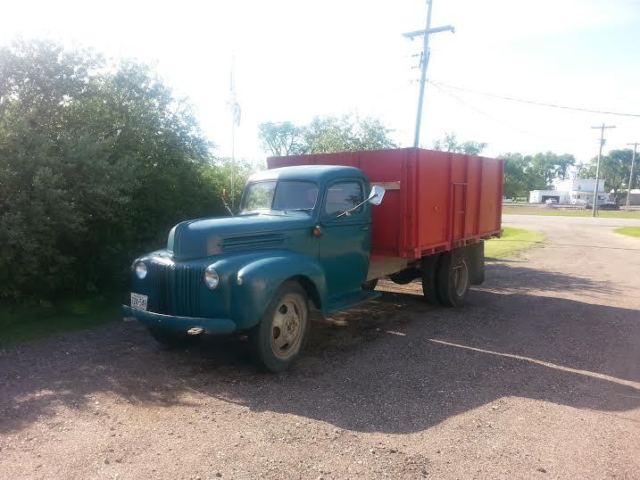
(97, 162)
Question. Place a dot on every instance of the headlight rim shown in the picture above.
(140, 269)
(211, 277)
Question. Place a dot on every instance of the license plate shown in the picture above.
(138, 301)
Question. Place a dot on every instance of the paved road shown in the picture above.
(537, 377)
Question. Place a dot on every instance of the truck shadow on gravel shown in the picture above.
(394, 365)
(514, 275)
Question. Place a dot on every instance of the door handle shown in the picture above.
(366, 227)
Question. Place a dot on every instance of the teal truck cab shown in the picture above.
(303, 235)
(318, 233)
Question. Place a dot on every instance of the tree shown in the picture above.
(615, 168)
(523, 173)
(550, 166)
(346, 134)
(515, 179)
(450, 143)
(283, 138)
(96, 164)
(324, 135)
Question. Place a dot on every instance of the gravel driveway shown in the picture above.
(538, 376)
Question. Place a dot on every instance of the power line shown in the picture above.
(509, 124)
(534, 102)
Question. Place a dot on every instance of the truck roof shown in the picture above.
(313, 173)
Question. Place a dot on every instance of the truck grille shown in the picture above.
(252, 242)
(177, 289)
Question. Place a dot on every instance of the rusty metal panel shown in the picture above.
(436, 200)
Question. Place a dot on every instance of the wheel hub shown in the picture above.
(286, 328)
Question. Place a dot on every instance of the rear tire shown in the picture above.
(428, 269)
(280, 336)
(453, 278)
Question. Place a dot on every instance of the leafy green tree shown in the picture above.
(523, 173)
(615, 168)
(220, 176)
(324, 135)
(516, 183)
(346, 134)
(550, 166)
(450, 143)
(96, 164)
(283, 138)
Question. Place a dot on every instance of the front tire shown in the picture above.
(280, 336)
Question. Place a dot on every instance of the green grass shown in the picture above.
(509, 210)
(512, 242)
(21, 323)
(630, 231)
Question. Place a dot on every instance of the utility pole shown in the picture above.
(633, 161)
(424, 61)
(595, 190)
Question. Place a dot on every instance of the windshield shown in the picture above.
(283, 196)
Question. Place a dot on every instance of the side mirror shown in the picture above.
(376, 195)
(374, 198)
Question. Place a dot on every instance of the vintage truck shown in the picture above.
(319, 231)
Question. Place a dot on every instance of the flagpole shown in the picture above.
(235, 117)
(233, 162)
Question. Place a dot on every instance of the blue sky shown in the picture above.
(297, 59)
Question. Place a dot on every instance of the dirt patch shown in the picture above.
(537, 376)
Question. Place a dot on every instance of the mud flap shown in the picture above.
(475, 260)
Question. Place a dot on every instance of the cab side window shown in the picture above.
(343, 196)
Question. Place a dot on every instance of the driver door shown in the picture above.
(346, 240)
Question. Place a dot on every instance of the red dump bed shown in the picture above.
(435, 201)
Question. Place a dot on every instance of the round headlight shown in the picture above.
(141, 270)
(211, 278)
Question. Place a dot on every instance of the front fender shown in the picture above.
(258, 281)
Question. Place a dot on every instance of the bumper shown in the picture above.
(212, 326)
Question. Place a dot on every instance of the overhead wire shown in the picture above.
(535, 102)
(505, 123)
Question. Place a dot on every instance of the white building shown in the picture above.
(634, 196)
(578, 191)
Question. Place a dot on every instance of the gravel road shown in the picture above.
(538, 376)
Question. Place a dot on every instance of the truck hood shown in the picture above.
(212, 236)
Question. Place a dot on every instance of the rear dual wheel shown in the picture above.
(453, 279)
(428, 270)
(445, 278)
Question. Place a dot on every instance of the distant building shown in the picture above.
(634, 196)
(578, 191)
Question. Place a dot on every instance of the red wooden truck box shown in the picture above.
(434, 201)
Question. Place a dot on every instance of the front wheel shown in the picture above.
(280, 336)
